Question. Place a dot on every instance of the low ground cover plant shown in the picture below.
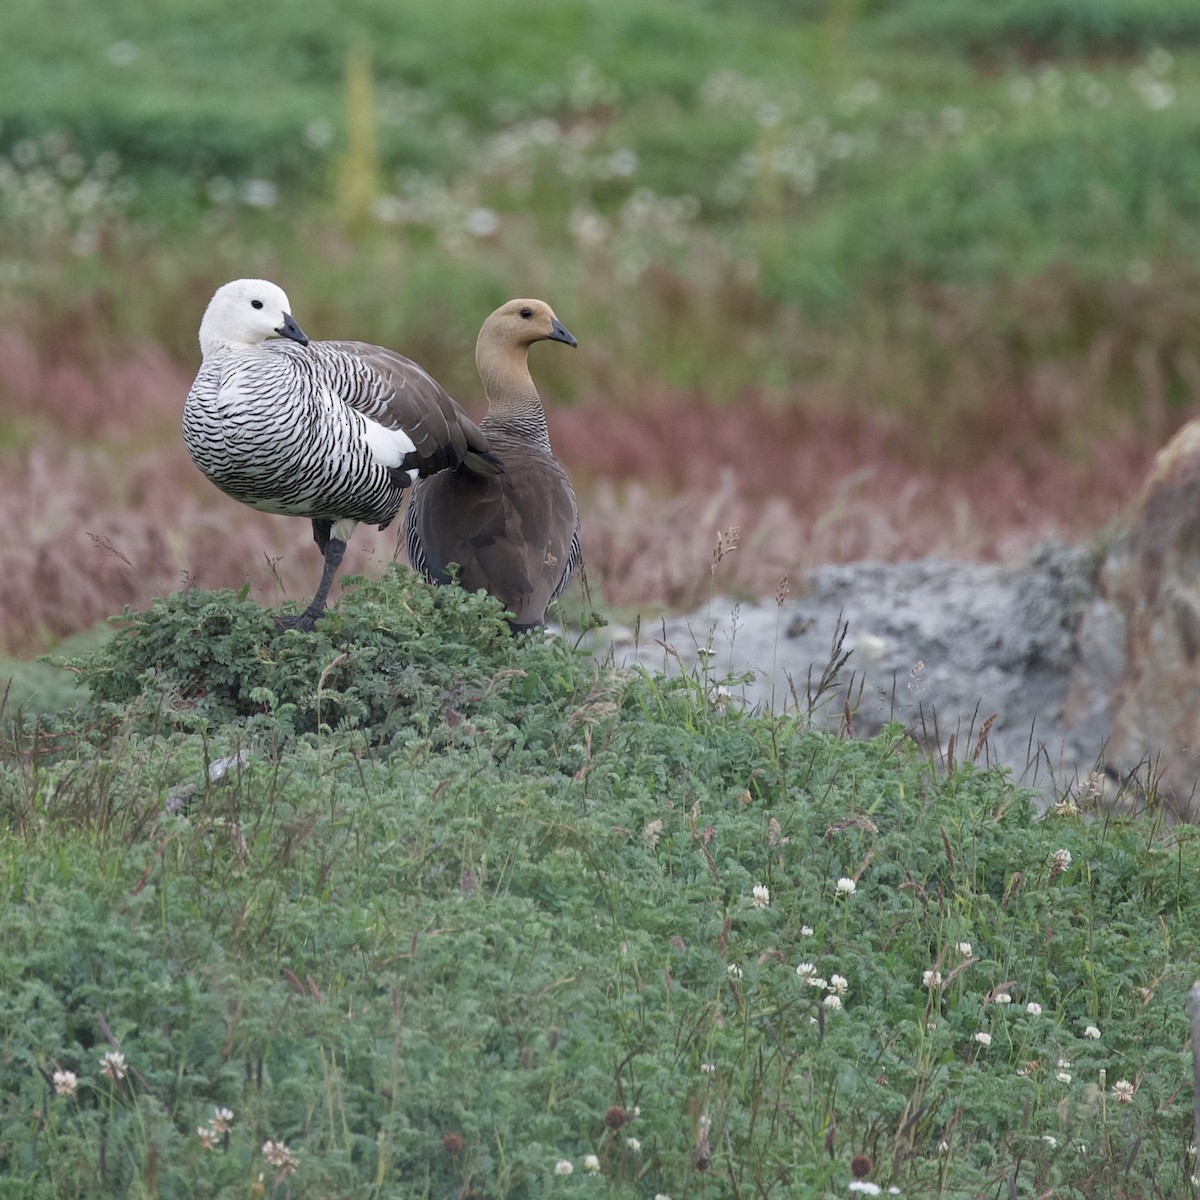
(411, 907)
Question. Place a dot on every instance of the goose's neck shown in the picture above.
(513, 402)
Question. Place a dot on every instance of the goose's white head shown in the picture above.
(247, 312)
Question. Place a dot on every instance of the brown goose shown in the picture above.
(516, 534)
(332, 431)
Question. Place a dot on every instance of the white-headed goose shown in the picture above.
(332, 431)
(515, 534)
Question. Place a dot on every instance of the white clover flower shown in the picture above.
(207, 1137)
(1123, 1091)
(112, 1065)
(1063, 1064)
(634, 1145)
(1050, 1140)
(278, 1155)
(804, 969)
(1092, 1032)
(1002, 998)
(222, 1120)
(931, 979)
(591, 1164)
(1033, 1008)
(846, 887)
(839, 984)
(1060, 860)
(65, 1083)
(817, 982)
(964, 948)
(760, 895)
(832, 1001)
(806, 931)
(984, 1039)
(707, 1068)
(865, 1186)
(563, 1167)
(733, 971)
(1063, 1076)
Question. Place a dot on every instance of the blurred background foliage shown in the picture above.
(960, 240)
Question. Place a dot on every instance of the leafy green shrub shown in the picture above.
(394, 654)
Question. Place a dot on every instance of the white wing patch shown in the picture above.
(387, 446)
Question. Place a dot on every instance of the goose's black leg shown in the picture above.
(334, 549)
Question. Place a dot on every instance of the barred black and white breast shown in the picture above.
(333, 431)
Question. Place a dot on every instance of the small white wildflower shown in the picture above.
(112, 1065)
(222, 1120)
(931, 979)
(651, 833)
(804, 969)
(1063, 1076)
(760, 895)
(1139, 271)
(1123, 1091)
(1063, 1064)
(1050, 1140)
(1033, 1008)
(260, 193)
(817, 982)
(591, 1164)
(661, 1196)
(733, 971)
(207, 1137)
(633, 1145)
(943, 1147)
(964, 948)
(1092, 1032)
(278, 1155)
(563, 1167)
(984, 1039)
(122, 54)
(708, 1068)
(846, 887)
(839, 984)
(622, 163)
(65, 1083)
(482, 223)
(806, 931)
(865, 1186)
(1002, 998)
(832, 1001)
(1060, 860)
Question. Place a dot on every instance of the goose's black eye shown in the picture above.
(527, 312)
(256, 304)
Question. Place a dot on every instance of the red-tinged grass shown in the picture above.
(931, 434)
(660, 484)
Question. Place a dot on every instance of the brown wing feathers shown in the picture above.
(516, 534)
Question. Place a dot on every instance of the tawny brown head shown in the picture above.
(521, 323)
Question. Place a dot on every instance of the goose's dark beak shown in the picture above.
(558, 333)
(289, 329)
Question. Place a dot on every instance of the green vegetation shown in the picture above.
(431, 911)
(532, 910)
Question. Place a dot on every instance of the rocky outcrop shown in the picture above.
(1147, 615)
